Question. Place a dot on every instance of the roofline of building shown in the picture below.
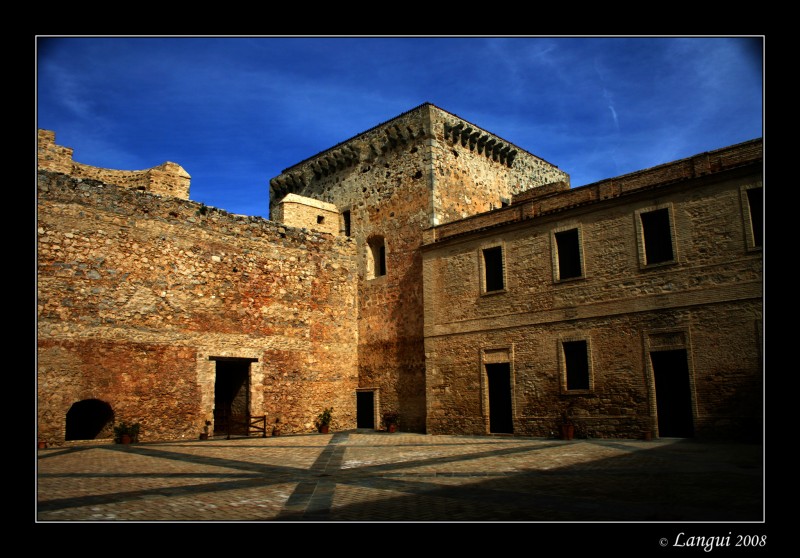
(385, 122)
(612, 190)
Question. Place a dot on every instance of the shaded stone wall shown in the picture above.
(380, 179)
(474, 171)
(138, 294)
(710, 297)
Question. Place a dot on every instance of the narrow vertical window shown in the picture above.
(493, 269)
(568, 254)
(346, 222)
(755, 203)
(381, 266)
(657, 236)
(376, 258)
(576, 363)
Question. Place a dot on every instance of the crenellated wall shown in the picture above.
(167, 179)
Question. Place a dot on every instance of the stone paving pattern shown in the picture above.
(366, 476)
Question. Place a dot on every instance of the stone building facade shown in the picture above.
(630, 306)
(374, 287)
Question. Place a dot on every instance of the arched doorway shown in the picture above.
(89, 419)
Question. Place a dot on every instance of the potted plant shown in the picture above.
(204, 433)
(125, 433)
(276, 430)
(324, 420)
(391, 419)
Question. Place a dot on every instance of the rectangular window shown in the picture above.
(568, 254)
(376, 258)
(755, 203)
(381, 260)
(493, 269)
(576, 363)
(346, 219)
(657, 236)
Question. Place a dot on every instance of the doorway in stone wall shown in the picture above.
(90, 419)
(231, 396)
(499, 382)
(673, 393)
(365, 409)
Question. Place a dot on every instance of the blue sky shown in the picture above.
(235, 111)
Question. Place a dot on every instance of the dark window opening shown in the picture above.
(320, 219)
(381, 267)
(576, 360)
(756, 202)
(346, 217)
(377, 267)
(505, 202)
(569, 254)
(657, 236)
(493, 269)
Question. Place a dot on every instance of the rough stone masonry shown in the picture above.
(367, 292)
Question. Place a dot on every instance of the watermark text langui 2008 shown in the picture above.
(709, 543)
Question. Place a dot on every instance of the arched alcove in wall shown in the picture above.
(90, 419)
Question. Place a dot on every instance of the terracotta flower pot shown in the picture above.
(567, 431)
(42, 444)
(392, 428)
(324, 429)
(125, 439)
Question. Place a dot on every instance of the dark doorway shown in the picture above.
(673, 395)
(231, 397)
(90, 419)
(365, 409)
(500, 419)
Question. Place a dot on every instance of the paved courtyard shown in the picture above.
(366, 476)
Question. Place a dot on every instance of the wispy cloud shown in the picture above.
(608, 98)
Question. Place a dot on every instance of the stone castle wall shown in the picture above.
(380, 180)
(710, 298)
(475, 171)
(167, 179)
(394, 181)
(306, 213)
(139, 295)
(145, 298)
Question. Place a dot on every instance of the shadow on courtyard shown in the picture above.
(679, 481)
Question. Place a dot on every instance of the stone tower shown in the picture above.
(387, 185)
